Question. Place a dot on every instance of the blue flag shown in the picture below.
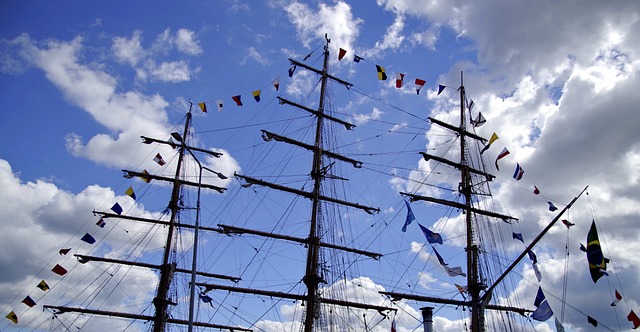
(533, 257)
(543, 312)
(117, 208)
(552, 207)
(518, 236)
(440, 259)
(206, 299)
(410, 217)
(431, 236)
(539, 298)
(88, 239)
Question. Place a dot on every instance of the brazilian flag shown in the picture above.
(595, 257)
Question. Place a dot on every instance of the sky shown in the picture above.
(81, 82)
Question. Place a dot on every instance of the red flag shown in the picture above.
(632, 317)
(59, 270)
(276, 83)
(64, 251)
(419, 84)
(237, 100)
(159, 160)
(399, 80)
(341, 54)
(29, 301)
(569, 224)
(536, 190)
(502, 154)
(617, 300)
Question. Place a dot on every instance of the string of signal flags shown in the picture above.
(237, 100)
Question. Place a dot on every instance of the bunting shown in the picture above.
(440, 88)
(206, 299)
(451, 271)
(381, 75)
(532, 257)
(357, 59)
(502, 154)
(518, 173)
(276, 83)
(592, 321)
(12, 317)
(256, 95)
(307, 56)
(341, 54)
(64, 251)
(559, 327)
(633, 318)
(539, 297)
(237, 99)
(552, 207)
(461, 289)
(419, 84)
(292, 70)
(203, 107)
(117, 208)
(543, 310)
(536, 271)
(29, 301)
(399, 80)
(158, 159)
(88, 239)
(43, 286)
(595, 257)
(131, 193)
(536, 191)
(410, 216)
(101, 223)
(59, 270)
(432, 237)
(494, 137)
(220, 104)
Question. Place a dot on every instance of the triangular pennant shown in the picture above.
(539, 298)
(536, 191)
(357, 59)
(276, 83)
(461, 289)
(552, 207)
(617, 299)
(145, 176)
(341, 54)
(256, 95)
(440, 88)
(29, 301)
(410, 216)
(419, 84)
(567, 223)
(494, 137)
(432, 237)
(292, 70)
(220, 104)
(203, 107)
(237, 99)
(440, 259)
(59, 270)
(502, 154)
(64, 251)
(131, 193)
(381, 74)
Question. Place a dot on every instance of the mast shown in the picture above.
(161, 302)
(311, 278)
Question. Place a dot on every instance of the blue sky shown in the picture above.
(82, 81)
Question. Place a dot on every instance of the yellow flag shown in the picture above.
(203, 107)
(12, 317)
(131, 193)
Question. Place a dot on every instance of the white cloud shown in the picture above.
(253, 54)
(129, 50)
(187, 43)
